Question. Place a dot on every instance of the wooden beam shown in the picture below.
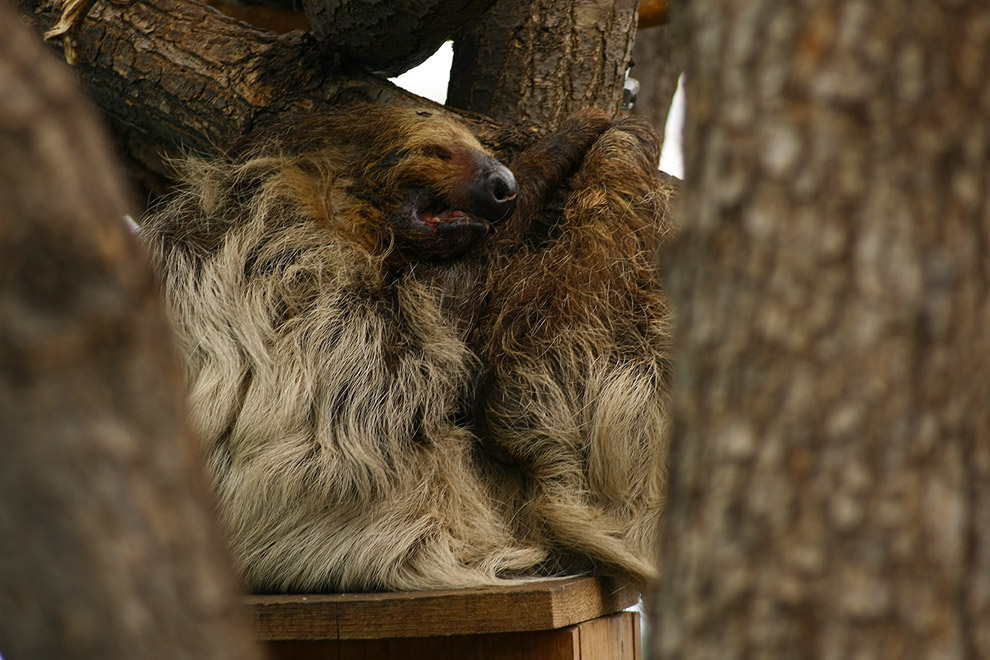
(539, 605)
(612, 637)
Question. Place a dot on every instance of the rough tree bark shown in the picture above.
(107, 548)
(542, 61)
(830, 475)
(390, 37)
(657, 70)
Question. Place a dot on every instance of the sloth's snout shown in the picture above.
(494, 193)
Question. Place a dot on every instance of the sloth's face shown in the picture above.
(445, 199)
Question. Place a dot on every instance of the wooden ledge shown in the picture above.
(538, 605)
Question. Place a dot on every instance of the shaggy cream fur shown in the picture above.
(373, 423)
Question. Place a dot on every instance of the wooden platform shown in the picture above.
(560, 619)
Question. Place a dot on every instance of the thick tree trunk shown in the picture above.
(107, 548)
(657, 70)
(830, 492)
(542, 61)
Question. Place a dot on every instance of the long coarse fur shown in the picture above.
(374, 423)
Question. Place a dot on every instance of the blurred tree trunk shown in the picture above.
(542, 61)
(107, 543)
(830, 475)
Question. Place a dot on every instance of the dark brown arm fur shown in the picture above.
(541, 169)
(576, 335)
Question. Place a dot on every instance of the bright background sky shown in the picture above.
(429, 79)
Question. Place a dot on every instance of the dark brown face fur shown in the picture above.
(444, 201)
(414, 185)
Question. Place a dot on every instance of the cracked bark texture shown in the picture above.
(390, 37)
(542, 61)
(183, 74)
(106, 537)
(830, 474)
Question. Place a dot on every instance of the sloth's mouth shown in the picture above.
(433, 218)
(428, 228)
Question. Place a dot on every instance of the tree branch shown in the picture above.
(188, 75)
(542, 60)
(390, 37)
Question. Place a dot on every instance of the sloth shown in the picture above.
(413, 367)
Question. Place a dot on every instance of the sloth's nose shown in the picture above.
(495, 194)
(503, 186)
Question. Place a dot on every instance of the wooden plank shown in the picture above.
(610, 637)
(534, 645)
(606, 638)
(637, 637)
(582, 599)
(538, 605)
(293, 617)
